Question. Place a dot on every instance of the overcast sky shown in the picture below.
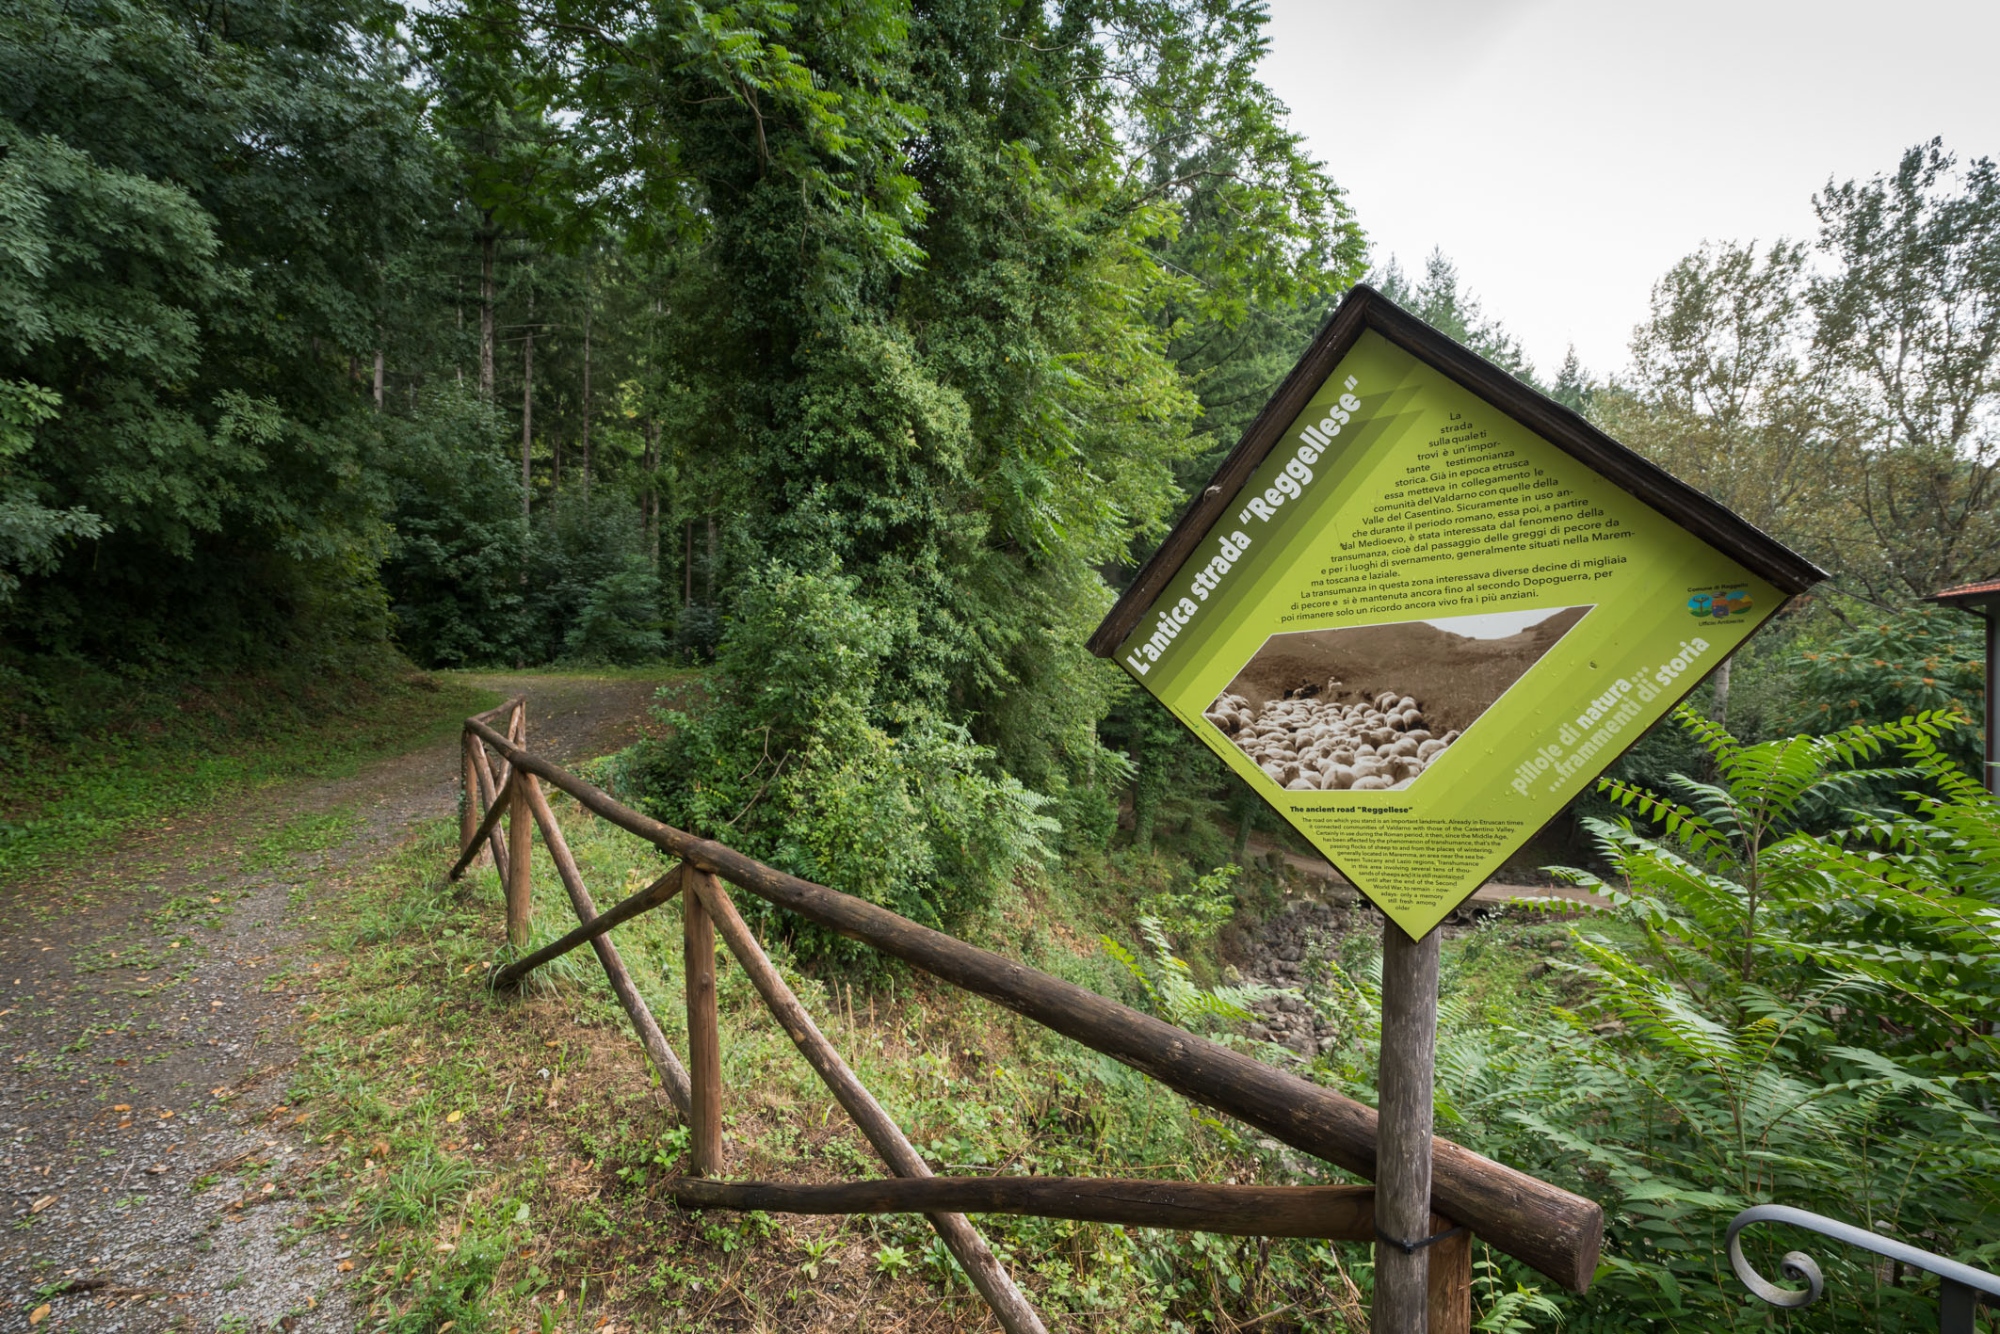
(1565, 153)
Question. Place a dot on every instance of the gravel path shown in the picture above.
(147, 1001)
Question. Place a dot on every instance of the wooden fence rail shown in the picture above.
(1556, 1232)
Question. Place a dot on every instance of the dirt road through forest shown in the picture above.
(147, 999)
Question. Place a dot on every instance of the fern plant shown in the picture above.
(1805, 1015)
(1170, 988)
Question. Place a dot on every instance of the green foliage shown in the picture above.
(1908, 333)
(1928, 660)
(1803, 1018)
(470, 583)
(414, 1193)
(1724, 395)
(32, 536)
(620, 619)
(1847, 404)
(453, 568)
(1169, 987)
(1501, 1307)
(801, 759)
(591, 595)
(519, 336)
(196, 203)
(1196, 914)
(1175, 780)
(1440, 301)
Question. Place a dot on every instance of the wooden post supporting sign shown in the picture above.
(1418, 610)
(1405, 1082)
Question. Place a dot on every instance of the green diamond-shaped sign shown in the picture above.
(1422, 607)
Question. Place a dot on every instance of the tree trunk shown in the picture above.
(378, 379)
(709, 574)
(687, 564)
(528, 406)
(650, 498)
(488, 243)
(1720, 710)
(586, 386)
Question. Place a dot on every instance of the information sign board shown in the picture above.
(1423, 607)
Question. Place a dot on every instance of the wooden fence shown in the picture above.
(1554, 1231)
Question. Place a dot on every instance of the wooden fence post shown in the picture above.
(959, 1235)
(468, 811)
(704, 1041)
(520, 836)
(1403, 1148)
(673, 1078)
(490, 792)
(1450, 1279)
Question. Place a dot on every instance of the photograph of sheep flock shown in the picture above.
(1372, 707)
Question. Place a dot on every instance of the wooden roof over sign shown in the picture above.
(1363, 309)
(1969, 597)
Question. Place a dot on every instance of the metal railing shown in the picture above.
(1962, 1290)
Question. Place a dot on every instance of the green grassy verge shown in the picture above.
(497, 1161)
(74, 776)
(502, 1156)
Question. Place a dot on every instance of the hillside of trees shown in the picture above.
(510, 335)
(853, 352)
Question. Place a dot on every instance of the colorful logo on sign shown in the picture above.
(1719, 605)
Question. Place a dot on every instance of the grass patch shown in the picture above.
(121, 757)
(307, 832)
(499, 1159)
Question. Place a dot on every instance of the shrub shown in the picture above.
(620, 619)
(1929, 659)
(1793, 1017)
(796, 760)
(454, 560)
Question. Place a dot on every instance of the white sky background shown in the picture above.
(1564, 154)
(1495, 624)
